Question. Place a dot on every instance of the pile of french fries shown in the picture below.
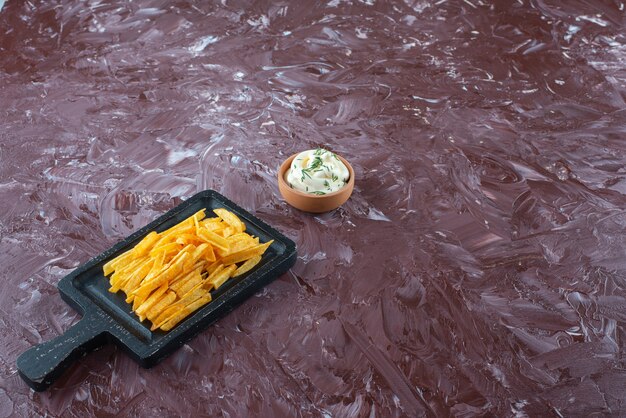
(169, 275)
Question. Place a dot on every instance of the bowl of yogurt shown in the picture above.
(316, 180)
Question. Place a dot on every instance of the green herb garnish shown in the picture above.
(314, 166)
(318, 193)
(317, 162)
(305, 173)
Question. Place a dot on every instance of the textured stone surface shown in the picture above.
(478, 268)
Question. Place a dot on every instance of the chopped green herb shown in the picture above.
(326, 183)
(305, 173)
(318, 151)
(291, 185)
(307, 188)
(334, 177)
(335, 156)
(318, 193)
(317, 162)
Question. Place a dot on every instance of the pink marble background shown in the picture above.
(478, 269)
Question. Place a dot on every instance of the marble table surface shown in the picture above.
(478, 269)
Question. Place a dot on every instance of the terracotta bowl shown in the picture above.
(308, 202)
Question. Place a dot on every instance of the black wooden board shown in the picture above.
(107, 318)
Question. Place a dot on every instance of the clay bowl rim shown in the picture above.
(287, 163)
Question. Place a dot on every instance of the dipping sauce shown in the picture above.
(317, 171)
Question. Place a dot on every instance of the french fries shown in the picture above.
(169, 275)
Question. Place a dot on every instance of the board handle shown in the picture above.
(42, 364)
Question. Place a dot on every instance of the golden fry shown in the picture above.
(209, 254)
(165, 315)
(247, 266)
(141, 267)
(169, 275)
(181, 279)
(165, 301)
(221, 276)
(231, 219)
(227, 232)
(172, 322)
(219, 267)
(122, 260)
(199, 215)
(171, 236)
(212, 224)
(243, 255)
(180, 304)
(122, 271)
(137, 276)
(167, 249)
(109, 267)
(214, 239)
(237, 245)
(152, 299)
(175, 309)
(185, 239)
(239, 236)
(155, 270)
(188, 284)
(145, 245)
(198, 253)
